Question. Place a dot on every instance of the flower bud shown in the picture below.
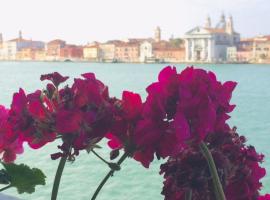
(114, 154)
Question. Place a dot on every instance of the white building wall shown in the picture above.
(211, 44)
(9, 50)
(146, 51)
(107, 52)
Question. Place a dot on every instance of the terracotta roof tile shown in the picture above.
(57, 41)
(19, 40)
(215, 30)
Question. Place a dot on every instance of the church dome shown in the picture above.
(222, 22)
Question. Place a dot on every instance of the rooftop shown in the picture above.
(56, 41)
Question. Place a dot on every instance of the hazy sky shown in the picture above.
(81, 21)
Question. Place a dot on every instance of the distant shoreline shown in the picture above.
(148, 63)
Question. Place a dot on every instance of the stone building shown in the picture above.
(127, 52)
(91, 52)
(165, 51)
(71, 52)
(209, 44)
(26, 54)
(261, 49)
(242, 52)
(146, 51)
(107, 51)
(9, 49)
(53, 49)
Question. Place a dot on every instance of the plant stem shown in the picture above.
(188, 195)
(110, 173)
(96, 154)
(5, 188)
(213, 171)
(58, 177)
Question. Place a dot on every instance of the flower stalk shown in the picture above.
(58, 176)
(219, 193)
(5, 188)
(97, 155)
(110, 173)
(188, 195)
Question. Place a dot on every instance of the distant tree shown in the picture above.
(176, 42)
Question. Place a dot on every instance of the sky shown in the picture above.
(82, 21)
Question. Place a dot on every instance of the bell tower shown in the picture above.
(1, 38)
(158, 34)
(229, 25)
(207, 22)
(20, 35)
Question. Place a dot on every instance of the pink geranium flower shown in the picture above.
(31, 119)
(10, 143)
(82, 114)
(180, 110)
(238, 166)
(55, 78)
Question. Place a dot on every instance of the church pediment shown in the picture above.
(198, 31)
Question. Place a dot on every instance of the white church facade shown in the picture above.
(209, 44)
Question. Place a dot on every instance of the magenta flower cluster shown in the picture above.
(181, 111)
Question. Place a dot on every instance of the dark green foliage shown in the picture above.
(23, 177)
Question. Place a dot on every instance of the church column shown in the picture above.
(193, 50)
(203, 58)
(187, 41)
(209, 59)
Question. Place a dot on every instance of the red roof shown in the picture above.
(57, 41)
(127, 44)
(19, 40)
(246, 39)
(91, 46)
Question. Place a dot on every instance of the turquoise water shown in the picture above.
(133, 182)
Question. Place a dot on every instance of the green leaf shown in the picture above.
(24, 178)
(4, 177)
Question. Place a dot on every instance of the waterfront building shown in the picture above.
(209, 44)
(246, 44)
(26, 54)
(146, 47)
(146, 51)
(261, 49)
(244, 56)
(10, 48)
(242, 52)
(127, 52)
(173, 55)
(165, 51)
(91, 52)
(53, 49)
(71, 52)
(232, 54)
(40, 54)
(107, 51)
